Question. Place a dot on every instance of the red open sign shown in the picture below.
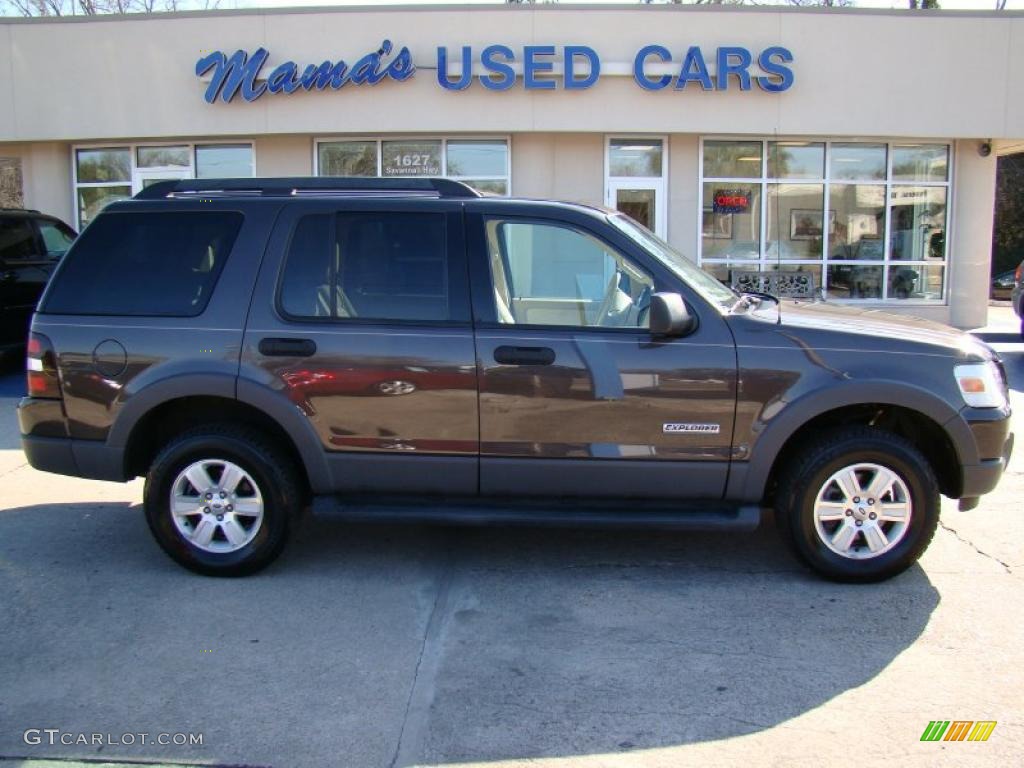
(731, 201)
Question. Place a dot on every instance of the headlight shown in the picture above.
(981, 384)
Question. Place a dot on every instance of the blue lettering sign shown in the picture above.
(467, 69)
(241, 72)
(726, 67)
(506, 75)
(642, 80)
(783, 73)
(572, 52)
(531, 66)
(694, 69)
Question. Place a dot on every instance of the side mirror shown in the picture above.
(669, 316)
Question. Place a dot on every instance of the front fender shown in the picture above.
(748, 480)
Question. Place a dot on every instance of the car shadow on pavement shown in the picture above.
(394, 645)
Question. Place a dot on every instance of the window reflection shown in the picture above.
(919, 281)
(348, 158)
(104, 165)
(732, 220)
(859, 221)
(634, 157)
(857, 161)
(796, 160)
(796, 221)
(732, 159)
(918, 223)
(920, 162)
(224, 161)
(854, 281)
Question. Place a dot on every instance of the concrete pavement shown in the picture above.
(381, 646)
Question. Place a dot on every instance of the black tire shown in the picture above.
(273, 472)
(814, 465)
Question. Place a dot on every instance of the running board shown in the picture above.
(629, 514)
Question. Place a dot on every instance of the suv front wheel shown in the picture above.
(858, 505)
(221, 500)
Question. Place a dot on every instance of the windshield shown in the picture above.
(695, 277)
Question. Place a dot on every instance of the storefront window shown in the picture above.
(858, 222)
(732, 221)
(104, 166)
(411, 158)
(857, 161)
(224, 161)
(795, 160)
(163, 157)
(833, 209)
(348, 158)
(796, 221)
(918, 216)
(103, 175)
(920, 162)
(106, 174)
(481, 163)
(477, 158)
(732, 159)
(92, 200)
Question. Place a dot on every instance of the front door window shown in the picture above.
(550, 274)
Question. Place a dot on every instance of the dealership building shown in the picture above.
(854, 148)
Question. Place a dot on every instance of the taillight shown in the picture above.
(41, 366)
(1016, 273)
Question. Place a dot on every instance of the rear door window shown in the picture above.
(144, 264)
(372, 265)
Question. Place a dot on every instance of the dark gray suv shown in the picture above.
(408, 350)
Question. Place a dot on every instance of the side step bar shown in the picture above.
(628, 514)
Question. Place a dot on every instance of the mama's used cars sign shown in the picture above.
(498, 69)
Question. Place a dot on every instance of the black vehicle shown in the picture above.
(31, 244)
(1002, 285)
(408, 350)
(1017, 295)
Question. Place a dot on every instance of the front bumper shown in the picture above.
(993, 446)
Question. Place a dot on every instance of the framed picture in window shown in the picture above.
(807, 224)
(716, 226)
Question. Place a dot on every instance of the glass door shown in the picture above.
(636, 179)
(641, 201)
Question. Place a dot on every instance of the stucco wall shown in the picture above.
(559, 166)
(134, 76)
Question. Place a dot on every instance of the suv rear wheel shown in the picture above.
(858, 505)
(221, 500)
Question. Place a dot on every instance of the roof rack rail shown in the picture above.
(311, 185)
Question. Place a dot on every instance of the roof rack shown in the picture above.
(18, 210)
(348, 186)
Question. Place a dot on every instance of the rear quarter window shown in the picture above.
(161, 264)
